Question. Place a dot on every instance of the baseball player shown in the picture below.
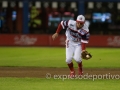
(77, 36)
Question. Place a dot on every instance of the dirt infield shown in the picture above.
(41, 72)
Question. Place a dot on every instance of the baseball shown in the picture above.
(87, 56)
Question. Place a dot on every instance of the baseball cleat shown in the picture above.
(72, 74)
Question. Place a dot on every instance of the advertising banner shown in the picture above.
(104, 41)
(46, 40)
(24, 40)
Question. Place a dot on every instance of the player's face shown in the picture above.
(79, 25)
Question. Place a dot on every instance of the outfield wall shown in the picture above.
(46, 40)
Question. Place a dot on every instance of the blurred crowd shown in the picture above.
(102, 20)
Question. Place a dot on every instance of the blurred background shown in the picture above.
(28, 22)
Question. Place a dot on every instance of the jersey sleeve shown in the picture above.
(64, 24)
(85, 38)
(86, 35)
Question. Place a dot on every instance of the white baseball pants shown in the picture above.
(73, 51)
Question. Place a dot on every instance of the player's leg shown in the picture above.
(80, 68)
(78, 59)
(69, 57)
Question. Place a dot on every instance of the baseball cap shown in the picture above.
(80, 18)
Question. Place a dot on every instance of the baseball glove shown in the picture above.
(85, 55)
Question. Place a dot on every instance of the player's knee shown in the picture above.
(69, 60)
(78, 60)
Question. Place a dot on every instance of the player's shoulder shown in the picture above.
(85, 27)
(71, 22)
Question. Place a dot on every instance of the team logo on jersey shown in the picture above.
(71, 25)
(82, 32)
(75, 34)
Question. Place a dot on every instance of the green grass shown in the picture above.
(57, 84)
(55, 57)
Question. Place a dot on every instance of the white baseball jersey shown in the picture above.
(72, 34)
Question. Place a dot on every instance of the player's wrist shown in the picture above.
(83, 50)
(56, 33)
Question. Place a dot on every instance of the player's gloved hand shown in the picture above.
(54, 36)
(85, 55)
